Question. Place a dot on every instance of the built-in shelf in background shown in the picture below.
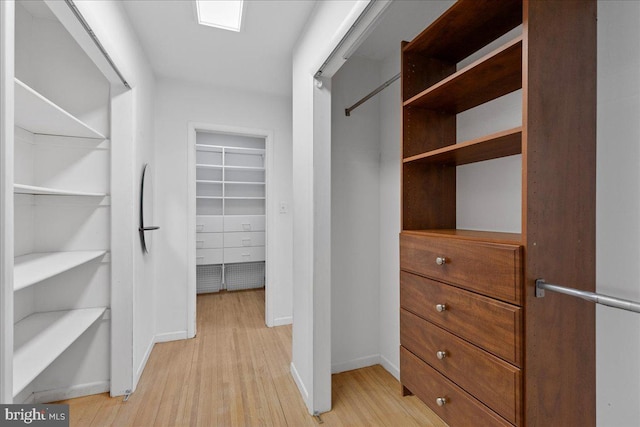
(41, 337)
(210, 197)
(36, 267)
(39, 115)
(203, 166)
(46, 191)
(244, 198)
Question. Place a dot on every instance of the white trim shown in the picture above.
(65, 393)
(6, 199)
(281, 321)
(299, 383)
(143, 362)
(350, 365)
(171, 336)
(390, 367)
(271, 212)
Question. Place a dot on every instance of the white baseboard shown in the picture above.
(71, 392)
(300, 384)
(281, 321)
(171, 336)
(350, 365)
(390, 367)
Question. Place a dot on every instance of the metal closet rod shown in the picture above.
(607, 300)
(347, 111)
(93, 36)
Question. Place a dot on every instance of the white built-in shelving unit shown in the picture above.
(230, 209)
(61, 277)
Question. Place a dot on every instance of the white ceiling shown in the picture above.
(258, 58)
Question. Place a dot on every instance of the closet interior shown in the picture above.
(230, 212)
(61, 211)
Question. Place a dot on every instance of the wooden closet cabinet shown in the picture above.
(477, 346)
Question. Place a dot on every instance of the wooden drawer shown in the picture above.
(209, 224)
(460, 408)
(493, 325)
(240, 239)
(251, 254)
(488, 378)
(209, 240)
(244, 223)
(208, 256)
(492, 269)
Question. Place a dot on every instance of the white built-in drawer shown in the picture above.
(244, 223)
(243, 239)
(209, 224)
(248, 254)
(209, 256)
(209, 240)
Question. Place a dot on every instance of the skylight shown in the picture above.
(225, 14)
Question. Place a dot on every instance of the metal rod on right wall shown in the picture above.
(347, 111)
(607, 300)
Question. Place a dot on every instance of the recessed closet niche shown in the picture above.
(62, 213)
(230, 212)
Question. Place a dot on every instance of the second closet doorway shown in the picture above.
(228, 192)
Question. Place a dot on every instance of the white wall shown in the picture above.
(311, 364)
(178, 104)
(355, 213)
(618, 212)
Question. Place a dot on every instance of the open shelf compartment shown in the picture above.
(46, 191)
(492, 76)
(36, 267)
(39, 115)
(41, 337)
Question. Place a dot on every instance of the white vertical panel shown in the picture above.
(6, 200)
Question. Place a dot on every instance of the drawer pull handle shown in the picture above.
(441, 354)
(441, 401)
(441, 260)
(441, 307)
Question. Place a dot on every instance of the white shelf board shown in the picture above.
(243, 150)
(244, 183)
(209, 197)
(205, 166)
(45, 191)
(248, 168)
(41, 337)
(36, 267)
(37, 114)
(205, 147)
(206, 181)
(244, 198)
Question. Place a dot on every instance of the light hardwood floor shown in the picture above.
(236, 373)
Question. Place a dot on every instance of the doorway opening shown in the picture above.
(228, 213)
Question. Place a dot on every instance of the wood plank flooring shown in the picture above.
(236, 373)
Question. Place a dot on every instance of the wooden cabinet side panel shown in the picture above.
(559, 156)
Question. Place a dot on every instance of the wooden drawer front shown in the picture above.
(488, 268)
(460, 408)
(239, 240)
(208, 256)
(209, 240)
(244, 223)
(488, 323)
(208, 224)
(490, 379)
(232, 255)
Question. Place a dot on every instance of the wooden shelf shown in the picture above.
(465, 28)
(492, 76)
(484, 236)
(501, 144)
(45, 191)
(38, 115)
(33, 268)
(41, 337)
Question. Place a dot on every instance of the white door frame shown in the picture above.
(270, 211)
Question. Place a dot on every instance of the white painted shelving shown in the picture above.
(45, 191)
(41, 337)
(36, 267)
(39, 115)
